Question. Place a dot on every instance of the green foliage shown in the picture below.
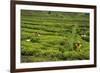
(50, 36)
(34, 39)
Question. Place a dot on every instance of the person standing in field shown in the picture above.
(77, 45)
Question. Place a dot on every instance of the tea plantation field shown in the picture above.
(54, 36)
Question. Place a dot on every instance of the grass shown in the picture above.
(51, 36)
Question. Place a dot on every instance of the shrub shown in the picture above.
(31, 52)
(34, 39)
(25, 36)
(86, 38)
